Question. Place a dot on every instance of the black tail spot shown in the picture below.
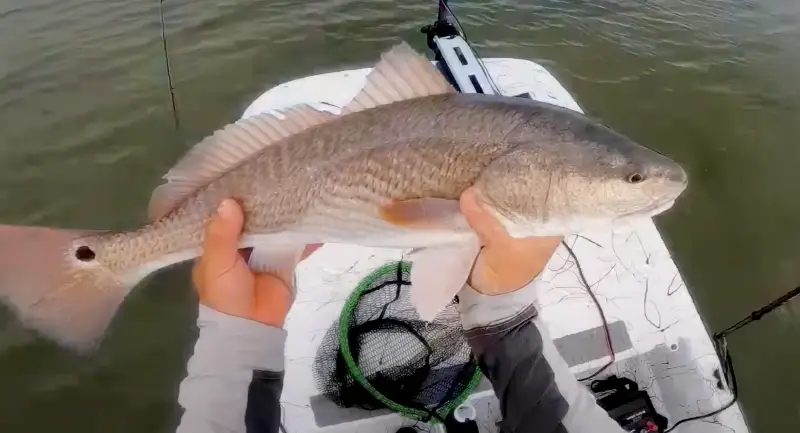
(84, 254)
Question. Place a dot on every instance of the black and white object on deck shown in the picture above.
(456, 58)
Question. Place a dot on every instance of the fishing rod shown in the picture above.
(443, 11)
(175, 118)
(758, 314)
(720, 341)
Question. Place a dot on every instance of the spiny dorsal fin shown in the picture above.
(227, 148)
(401, 74)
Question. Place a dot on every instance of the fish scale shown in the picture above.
(386, 172)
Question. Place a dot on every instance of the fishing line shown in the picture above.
(719, 340)
(728, 366)
(175, 118)
(588, 288)
(726, 362)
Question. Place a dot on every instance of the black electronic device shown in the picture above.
(628, 405)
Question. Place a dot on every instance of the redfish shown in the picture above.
(385, 172)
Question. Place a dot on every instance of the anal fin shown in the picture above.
(438, 273)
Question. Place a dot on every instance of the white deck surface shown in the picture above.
(629, 268)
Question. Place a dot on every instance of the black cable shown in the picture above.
(720, 344)
(175, 118)
(728, 367)
(588, 288)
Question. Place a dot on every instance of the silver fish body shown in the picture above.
(544, 169)
(387, 173)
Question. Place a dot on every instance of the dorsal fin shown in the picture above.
(227, 148)
(401, 74)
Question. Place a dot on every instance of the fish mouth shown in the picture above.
(657, 209)
(651, 209)
(660, 206)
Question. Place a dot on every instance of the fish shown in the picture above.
(387, 171)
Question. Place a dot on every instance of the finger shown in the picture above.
(220, 245)
(482, 222)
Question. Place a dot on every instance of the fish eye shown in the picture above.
(84, 254)
(635, 178)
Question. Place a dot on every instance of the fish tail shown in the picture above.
(55, 285)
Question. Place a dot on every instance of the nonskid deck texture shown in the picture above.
(658, 336)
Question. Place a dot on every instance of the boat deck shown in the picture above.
(658, 336)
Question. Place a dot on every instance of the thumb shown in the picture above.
(221, 242)
(482, 222)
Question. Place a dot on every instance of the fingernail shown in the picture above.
(226, 209)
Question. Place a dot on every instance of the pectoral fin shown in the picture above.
(424, 213)
(276, 259)
(438, 273)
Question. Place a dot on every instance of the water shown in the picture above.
(86, 131)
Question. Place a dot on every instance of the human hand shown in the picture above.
(505, 264)
(225, 282)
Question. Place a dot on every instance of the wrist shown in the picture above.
(479, 310)
(499, 287)
(509, 264)
(271, 319)
(233, 340)
(266, 315)
(266, 299)
(486, 280)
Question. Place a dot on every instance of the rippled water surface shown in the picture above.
(85, 133)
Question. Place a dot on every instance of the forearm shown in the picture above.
(537, 392)
(235, 377)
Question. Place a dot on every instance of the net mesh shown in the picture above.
(379, 354)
